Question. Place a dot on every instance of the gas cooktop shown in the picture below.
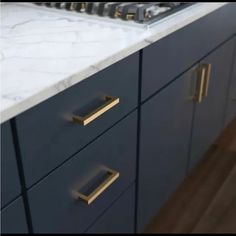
(138, 12)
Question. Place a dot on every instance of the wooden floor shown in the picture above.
(206, 201)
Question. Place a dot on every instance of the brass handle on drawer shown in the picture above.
(200, 84)
(207, 79)
(84, 120)
(113, 175)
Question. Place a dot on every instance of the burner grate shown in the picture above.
(140, 12)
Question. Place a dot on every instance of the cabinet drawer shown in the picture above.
(13, 218)
(119, 218)
(10, 184)
(47, 134)
(166, 59)
(53, 207)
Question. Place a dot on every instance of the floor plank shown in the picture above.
(228, 137)
(227, 225)
(221, 214)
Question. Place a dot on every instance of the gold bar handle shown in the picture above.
(84, 120)
(113, 175)
(200, 84)
(207, 79)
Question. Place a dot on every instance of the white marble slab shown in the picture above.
(44, 52)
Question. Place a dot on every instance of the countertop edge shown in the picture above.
(66, 83)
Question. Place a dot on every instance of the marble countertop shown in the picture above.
(44, 52)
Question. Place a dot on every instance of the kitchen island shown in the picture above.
(86, 103)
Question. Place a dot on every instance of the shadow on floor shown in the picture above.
(206, 201)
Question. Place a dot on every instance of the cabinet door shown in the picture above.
(209, 114)
(166, 121)
(231, 103)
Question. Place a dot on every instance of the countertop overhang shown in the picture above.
(44, 52)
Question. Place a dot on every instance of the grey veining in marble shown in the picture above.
(44, 52)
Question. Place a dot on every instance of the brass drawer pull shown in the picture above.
(200, 84)
(207, 79)
(84, 120)
(113, 175)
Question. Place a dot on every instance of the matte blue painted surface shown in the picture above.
(166, 122)
(13, 219)
(10, 183)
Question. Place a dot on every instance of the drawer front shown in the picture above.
(13, 219)
(53, 207)
(10, 183)
(47, 134)
(119, 218)
(166, 59)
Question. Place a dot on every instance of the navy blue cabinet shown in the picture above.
(10, 183)
(166, 121)
(13, 220)
(231, 103)
(54, 206)
(209, 114)
(66, 163)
